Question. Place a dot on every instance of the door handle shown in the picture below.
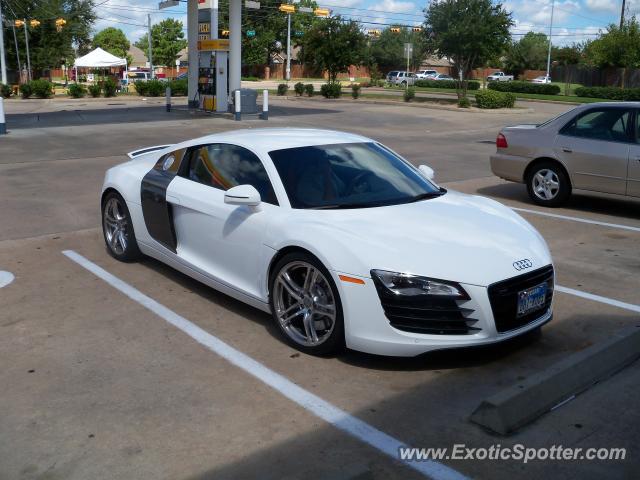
(567, 150)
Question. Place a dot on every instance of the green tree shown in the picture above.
(567, 56)
(114, 41)
(167, 39)
(469, 32)
(618, 48)
(528, 53)
(333, 45)
(48, 47)
(387, 50)
(270, 27)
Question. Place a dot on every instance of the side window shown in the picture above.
(609, 124)
(170, 162)
(224, 166)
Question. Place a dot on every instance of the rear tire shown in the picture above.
(305, 304)
(117, 229)
(548, 184)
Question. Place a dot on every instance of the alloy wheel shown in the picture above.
(546, 184)
(115, 226)
(304, 303)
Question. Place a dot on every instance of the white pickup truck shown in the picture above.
(500, 77)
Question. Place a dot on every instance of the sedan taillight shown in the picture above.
(501, 141)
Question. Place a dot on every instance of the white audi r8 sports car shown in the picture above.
(343, 241)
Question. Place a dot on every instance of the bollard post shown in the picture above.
(3, 125)
(237, 104)
(167, 94)
(265, 105)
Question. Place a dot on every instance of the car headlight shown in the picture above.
(405, 284)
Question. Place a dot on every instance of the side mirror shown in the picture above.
(242, 195)
(427, 171)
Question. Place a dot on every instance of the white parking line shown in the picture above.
(598, 298)
(578, 219)
(307, 400)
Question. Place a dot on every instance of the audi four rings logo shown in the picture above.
(522, 264)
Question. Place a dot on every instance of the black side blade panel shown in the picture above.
(157, 213)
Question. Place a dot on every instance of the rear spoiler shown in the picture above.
(143, 151)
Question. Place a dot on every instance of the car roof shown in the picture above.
(268, 139)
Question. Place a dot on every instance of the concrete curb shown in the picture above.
(520, 404)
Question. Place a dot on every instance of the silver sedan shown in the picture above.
(593, 147)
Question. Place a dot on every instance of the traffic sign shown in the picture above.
(168, 4)
(251, 33)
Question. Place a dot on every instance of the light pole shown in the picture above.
(149, 38)
(3, 64)
(550, 37)
(15, 40)
(288, 72)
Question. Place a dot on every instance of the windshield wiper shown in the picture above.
(346, 206)
(427, 195)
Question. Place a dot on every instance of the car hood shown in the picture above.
(465, 238)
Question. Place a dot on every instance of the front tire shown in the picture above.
(305, 304)
(117, 229)
(548, 185)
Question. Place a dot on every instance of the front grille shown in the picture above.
(504, 298)
(424, 314)
(431, 316)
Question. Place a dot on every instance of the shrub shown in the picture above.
(141, 87)
(355, 90)
(525, 87)
(5, 90)
(178, 87)
(451, 84)
(309, 89)
(464, 102)
(331, 90)
(25, 90)
(156, 88)
(109, 87)
(493, 99)
(409, 94)
(299, 88)
(283, 88)
(380, 83)
(375, 74)
(95, 90)
(250, 79)
(609, 93)
(41, 88)
(77, 90)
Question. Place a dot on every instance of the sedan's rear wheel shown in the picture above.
(548, 185)
(117, 229)
(306, 305)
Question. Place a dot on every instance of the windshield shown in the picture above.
(349, 175)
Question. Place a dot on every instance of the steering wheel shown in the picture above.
(356, 180)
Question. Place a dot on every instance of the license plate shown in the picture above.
(531, 299)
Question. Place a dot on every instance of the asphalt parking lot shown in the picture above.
(96, 385)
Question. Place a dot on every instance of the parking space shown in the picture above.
(96, 385)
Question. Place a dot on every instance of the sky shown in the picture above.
(574, 20)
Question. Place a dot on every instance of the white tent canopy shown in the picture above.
(99, 59)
